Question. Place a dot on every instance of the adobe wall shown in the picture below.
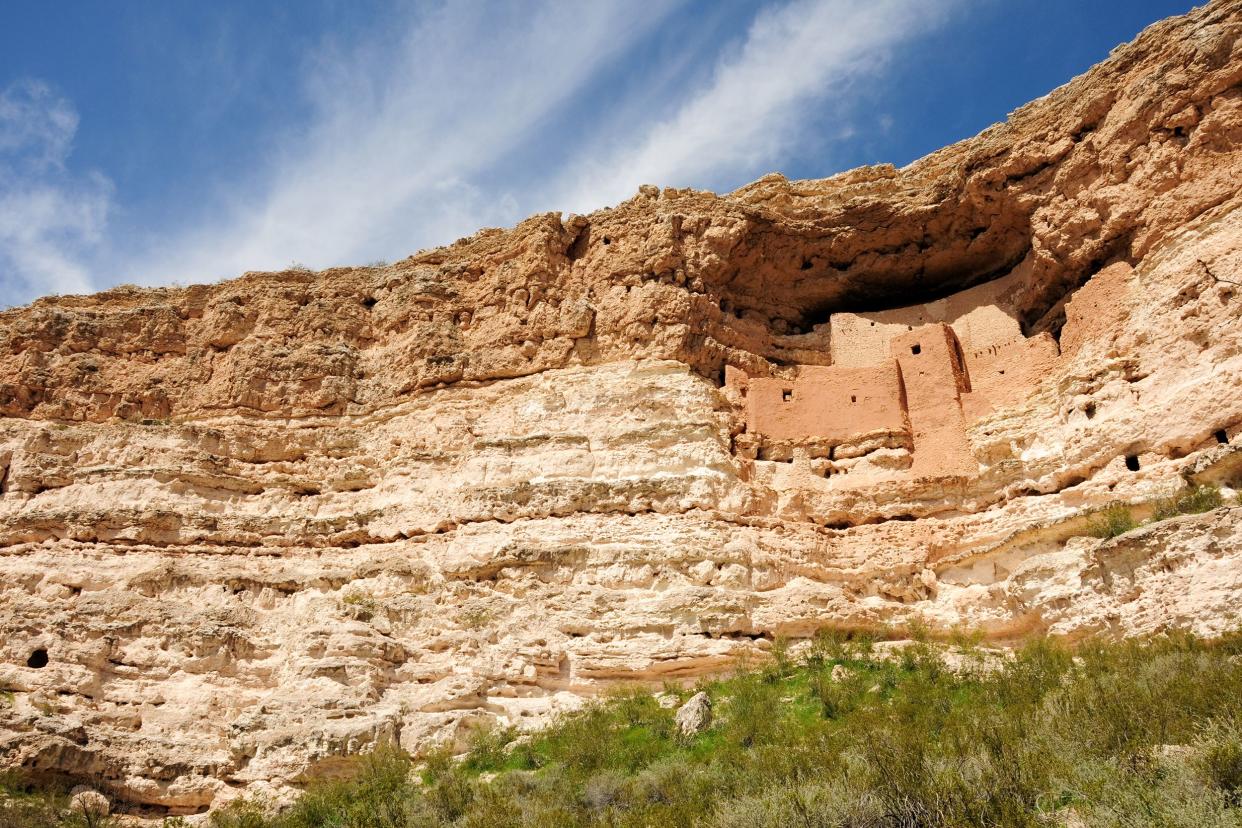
(826, 404)
(934, 377)
(1098, 308)
(913, 398)
(1002, 375)
(981, 316)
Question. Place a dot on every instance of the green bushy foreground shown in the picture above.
(1111, 734)
(1140, 733)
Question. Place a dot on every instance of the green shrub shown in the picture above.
(1218, 756)
(836, 696)
(1113, 520)
(241, 813)
(1116, 518)
(1192, 501)
(779, 664)
(488, 748)
(359, 604)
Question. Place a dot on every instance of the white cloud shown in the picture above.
(402, 131)
(453, 118)
(402, 149)
(50, 219)
(753, 112)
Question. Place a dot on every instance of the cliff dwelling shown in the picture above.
(894, 391)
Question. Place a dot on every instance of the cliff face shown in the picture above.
(250, 527)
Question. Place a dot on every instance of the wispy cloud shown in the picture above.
(403, 129)
(453, 117)
(402, 150)
(51, 220)
(755, 109)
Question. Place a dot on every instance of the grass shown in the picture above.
(1116, 518)
(1129, 733)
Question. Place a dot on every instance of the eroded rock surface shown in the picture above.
(249, 528)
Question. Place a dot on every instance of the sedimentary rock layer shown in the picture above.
(251, 527)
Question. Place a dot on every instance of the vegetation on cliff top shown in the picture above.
(1133, 733)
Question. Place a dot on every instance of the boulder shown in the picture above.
(88, 801)
(695, 715)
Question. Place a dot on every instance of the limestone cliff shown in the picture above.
(251, 527)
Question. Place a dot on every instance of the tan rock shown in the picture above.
(89, 802)
(695, 715)
(667, 701)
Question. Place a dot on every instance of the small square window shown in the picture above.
(787, 395)
(916, 349)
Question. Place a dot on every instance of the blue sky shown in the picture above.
(159, 142)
